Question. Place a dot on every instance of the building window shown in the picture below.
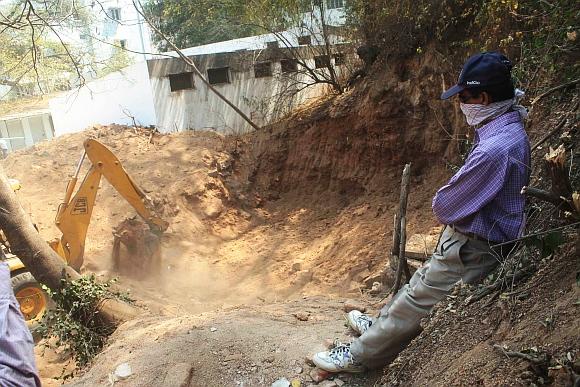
(272, 45)
(339, 59)
(218, 75)
(333, 4)
(321, 61)
(115, 13)
(304, 40)
(182, 81)
(289, 65)
(263, 69)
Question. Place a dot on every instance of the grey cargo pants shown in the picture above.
(456, 257)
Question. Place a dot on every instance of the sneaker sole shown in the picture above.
(321, 364)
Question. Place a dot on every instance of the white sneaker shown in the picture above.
(338, 359)
(359, 322)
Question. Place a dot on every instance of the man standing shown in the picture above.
(17, 365)
(480, 206)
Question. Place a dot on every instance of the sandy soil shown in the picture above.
(542, 318)
(270, 232)
(240, 346)
(226, 248)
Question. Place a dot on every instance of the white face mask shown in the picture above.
(475, 114)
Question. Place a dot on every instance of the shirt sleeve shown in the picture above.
(17, 365)
(470, 189)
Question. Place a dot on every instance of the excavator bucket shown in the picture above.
(136, 250)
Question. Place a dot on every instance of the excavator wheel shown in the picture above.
(32, 299)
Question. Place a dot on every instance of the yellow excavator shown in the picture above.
(73, 218)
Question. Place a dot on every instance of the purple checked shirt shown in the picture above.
(484, 197)
(17, 366)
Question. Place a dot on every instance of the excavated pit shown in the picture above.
(269, 232)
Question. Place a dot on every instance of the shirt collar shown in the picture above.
(494, 126)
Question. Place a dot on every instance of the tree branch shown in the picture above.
(553, 89)
(533, 235)
(559, 201)
(520, 355)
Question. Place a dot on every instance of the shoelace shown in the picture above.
(365, 320)
(339, 348)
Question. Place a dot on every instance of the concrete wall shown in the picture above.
(116, 98)
(262, 99)
(21, 131)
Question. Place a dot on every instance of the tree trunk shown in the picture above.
(555, 161)
(561, 193)
(44, 264)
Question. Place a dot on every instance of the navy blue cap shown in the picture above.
(481, 70)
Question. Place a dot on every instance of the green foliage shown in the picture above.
(118, 60)
(74, 321)
(277, 15)
(193, 23)
(548, 243)
(402, 27)
(36, 58)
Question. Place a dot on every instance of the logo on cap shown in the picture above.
(473, 83)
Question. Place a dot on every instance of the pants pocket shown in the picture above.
(478, 260)
(451, 251)
(445, 246)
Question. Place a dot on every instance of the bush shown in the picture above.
(536, 33)
(73, 326)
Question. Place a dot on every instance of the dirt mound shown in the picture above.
(242, 346)
(301, 208)
(329, 177)
(240, 231)
(459, 338)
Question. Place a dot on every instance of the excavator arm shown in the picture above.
(74, 213)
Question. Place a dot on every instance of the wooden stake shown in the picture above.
(400, 236)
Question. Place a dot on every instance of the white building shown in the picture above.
(259, 75)
(122, 97)
(25, 129)
(262, 75)
(117, 23)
